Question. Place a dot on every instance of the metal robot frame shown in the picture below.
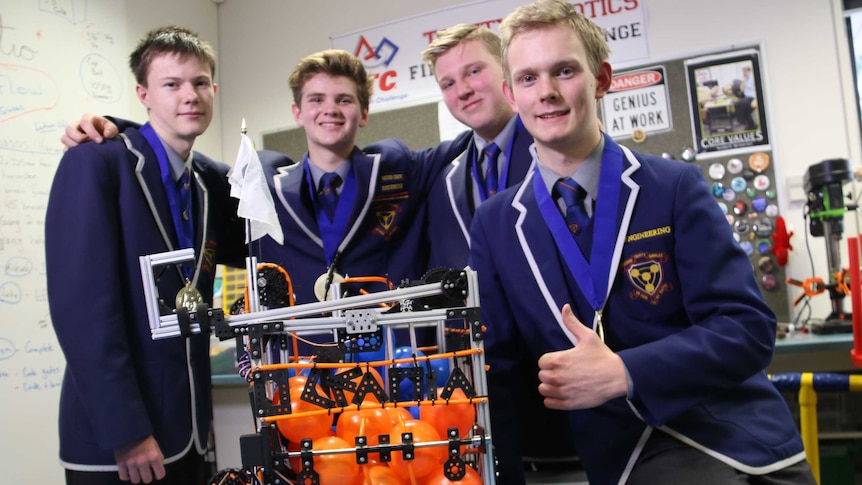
(351, 316)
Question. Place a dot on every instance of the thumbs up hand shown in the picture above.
(584, 376)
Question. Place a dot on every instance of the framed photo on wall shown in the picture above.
(727, 106)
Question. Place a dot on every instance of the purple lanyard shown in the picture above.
(332, 232)
(592, 277)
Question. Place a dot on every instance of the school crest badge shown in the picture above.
(387, 216)
(645, 271)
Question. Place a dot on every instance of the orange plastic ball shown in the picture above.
(297, 382)
(366, 422)
(425, 459)
(444, 416)
(303, 427)
(379, 475)
(295, 464)
(437, 477)
(399, 415)
(334, 468)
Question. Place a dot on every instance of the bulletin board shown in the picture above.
(695, 109)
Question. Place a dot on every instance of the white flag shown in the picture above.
(248, 184)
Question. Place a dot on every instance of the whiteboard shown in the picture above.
(58, 59)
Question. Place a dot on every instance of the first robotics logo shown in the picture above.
(377, 60)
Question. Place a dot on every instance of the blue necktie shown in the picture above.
(492, 151)
(328, 193)
(573, 195)
(185, 201)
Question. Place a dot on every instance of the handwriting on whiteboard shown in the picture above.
(24, 368)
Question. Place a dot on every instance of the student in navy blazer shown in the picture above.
(466, 60)
(134, 408)
(467, 63)
(659, 352)
(378, 226)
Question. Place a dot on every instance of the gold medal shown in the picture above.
(189, 298)
(320, 286)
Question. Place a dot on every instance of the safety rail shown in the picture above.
(809, 384)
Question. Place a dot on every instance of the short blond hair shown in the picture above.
(455, 35)
(546, 13)
(334, 62)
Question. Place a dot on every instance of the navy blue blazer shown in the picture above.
(385, 232)
(107, 207)
(695, 340)
(451, 205)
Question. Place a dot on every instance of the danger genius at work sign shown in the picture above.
(637, 101)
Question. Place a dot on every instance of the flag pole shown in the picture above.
(252, 301)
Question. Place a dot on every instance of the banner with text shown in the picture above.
(392, 52)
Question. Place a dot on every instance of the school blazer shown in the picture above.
(451, 205)
(695, 341)
(107, 207)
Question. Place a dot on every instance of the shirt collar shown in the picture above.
(317, 173)
(178, 165)
(502, 139)
(587, 175)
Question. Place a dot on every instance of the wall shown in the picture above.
(58, 59)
